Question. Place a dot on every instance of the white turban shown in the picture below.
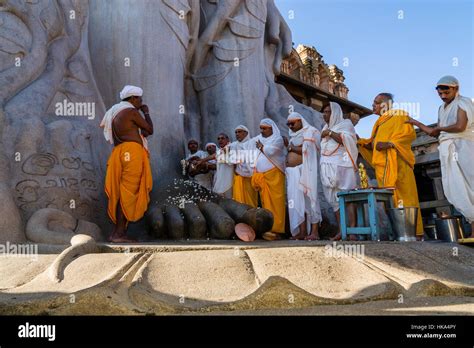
(210, 144)
(241, 127)
(131, 91)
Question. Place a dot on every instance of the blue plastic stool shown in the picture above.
(360, 197)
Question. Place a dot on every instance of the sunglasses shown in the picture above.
(443, 88)
(291, 124)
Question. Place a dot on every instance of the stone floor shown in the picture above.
(215, 277)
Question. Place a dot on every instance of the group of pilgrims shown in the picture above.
(282, 174)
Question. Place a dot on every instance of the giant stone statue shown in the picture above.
(205, 66)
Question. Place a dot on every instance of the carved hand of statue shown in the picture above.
(279, 34)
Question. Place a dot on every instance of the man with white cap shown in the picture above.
(269, 175)
(243, 156)
(456, 146)
(302, 178)
(338, 159)
(128, 180)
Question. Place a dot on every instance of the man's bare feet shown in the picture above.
(336, 238)
(312, 236)
(299, 236)
(120, 238)
(271, 236)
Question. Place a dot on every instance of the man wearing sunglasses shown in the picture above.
(455, 131)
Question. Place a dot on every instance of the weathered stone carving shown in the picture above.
(45, 63)
(53, 226)
(205, 66)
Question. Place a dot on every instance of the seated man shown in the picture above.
(128, 180)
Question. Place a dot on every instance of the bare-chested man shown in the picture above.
(302, 178)
(128, 180)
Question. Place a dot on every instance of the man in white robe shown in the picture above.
(338, 160)
(243, 154)
(456, 146)
(224, 175)
(302, 178)
(269, 175)
(194, 158)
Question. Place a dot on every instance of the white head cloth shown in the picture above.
(309, 137)
(243, 154)
(131, 91)
(346, 129)
(274, 147)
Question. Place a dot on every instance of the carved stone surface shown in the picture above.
(205, 66)
(50, 157)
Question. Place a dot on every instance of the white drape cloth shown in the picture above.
(109, 118)
(243, 154)
(224, 176)
(204, 180)
(302, 181)
(344, 154)
(338, 161)
(274, 149)
(456, 151)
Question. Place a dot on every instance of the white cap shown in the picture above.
(448, 80)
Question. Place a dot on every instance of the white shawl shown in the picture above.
(449, 116)
(273, 146)
(310, 138)
(109, 118)
(224, 177)
(346, 129)
(243, 154)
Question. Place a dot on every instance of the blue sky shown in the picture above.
(397, 46)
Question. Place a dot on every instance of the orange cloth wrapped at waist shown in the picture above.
(128, 180)
(243, 191)
(271, 186)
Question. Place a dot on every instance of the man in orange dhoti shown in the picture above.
(128, 180)
(389, 152)
(269, 178)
